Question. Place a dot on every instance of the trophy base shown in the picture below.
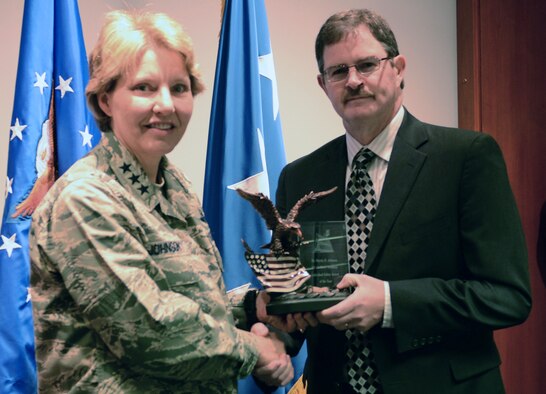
(304, 302)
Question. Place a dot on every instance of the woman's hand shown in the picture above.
(274, 366)
(289, 322)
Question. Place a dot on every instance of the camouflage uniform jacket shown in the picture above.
(127, 290)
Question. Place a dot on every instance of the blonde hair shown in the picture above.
(123, 39)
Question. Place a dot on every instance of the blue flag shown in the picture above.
(50, 129)
(245, 145)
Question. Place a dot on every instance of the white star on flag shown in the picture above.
(64, 86)
(40, 82)
(9, 244)
(86, 136)
(9, 190)
(29, 296)
(267, 69)
(17, 130)
(257, 183)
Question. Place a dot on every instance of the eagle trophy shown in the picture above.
(286, 233)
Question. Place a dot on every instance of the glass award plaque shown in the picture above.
(323, 252)
(304, 263)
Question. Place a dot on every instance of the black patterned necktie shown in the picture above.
(360, 205)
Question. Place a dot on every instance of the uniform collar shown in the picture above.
(129, 171)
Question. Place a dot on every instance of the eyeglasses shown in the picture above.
(364, 67)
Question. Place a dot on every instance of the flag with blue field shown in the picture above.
(245, 145)
(50, 129)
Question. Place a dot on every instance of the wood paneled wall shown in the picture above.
(502, 92)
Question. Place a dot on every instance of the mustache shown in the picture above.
(352, 95)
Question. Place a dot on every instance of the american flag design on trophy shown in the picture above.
(280, 271)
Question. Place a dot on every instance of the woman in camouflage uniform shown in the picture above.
(127, 288)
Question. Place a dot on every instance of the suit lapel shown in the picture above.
(404, 166)
(333, 168)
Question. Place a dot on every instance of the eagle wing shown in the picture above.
(309, 198)
(264, 206)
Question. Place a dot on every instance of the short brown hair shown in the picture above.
(123, 39)
(342, 23)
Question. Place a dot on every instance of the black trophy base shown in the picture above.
(304, 302)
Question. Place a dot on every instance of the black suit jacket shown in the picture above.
(448, 238)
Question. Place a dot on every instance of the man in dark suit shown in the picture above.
(445, 264)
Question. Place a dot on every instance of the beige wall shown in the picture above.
(425, 29)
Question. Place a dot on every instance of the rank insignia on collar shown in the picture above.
(126, 167)
(134, 178)
(143, 189)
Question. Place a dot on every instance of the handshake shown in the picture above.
(274, 367)
(361, 310)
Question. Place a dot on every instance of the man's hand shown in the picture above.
(274, 366)
(287, 323)
(361, 310)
